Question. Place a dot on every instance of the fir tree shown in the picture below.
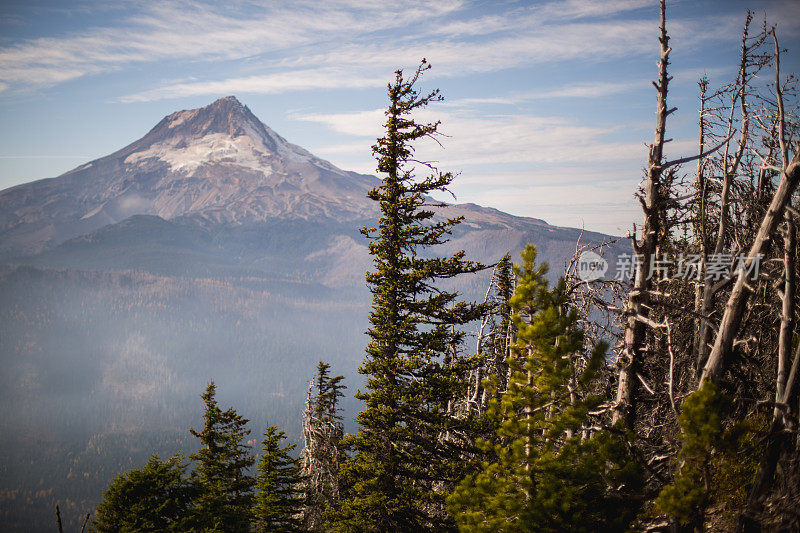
(322, 453)
(547, 474)
(154, 498)
(221, 473)
(403, 463)
(278, 501)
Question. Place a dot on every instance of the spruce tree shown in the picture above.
(548, 472)
(225, 488)
(156, 497)
(278, 500)
(322, 453)
(404, 463)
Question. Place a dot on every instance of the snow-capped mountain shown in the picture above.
(219, 163)
(214, 189)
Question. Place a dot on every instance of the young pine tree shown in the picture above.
(548, 473)
(322, 453)
(403, 466)
(225, 489)
(156, 497)
(278, 500)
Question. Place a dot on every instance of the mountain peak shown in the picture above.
(231, 107)
(226, 115)
(226, 100)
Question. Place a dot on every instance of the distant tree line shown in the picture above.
(659, 403)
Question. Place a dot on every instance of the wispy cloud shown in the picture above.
(366, 63)
(489, 139)
(323, 78)
(362, 39)
(198, 30)
(584, 90)
(533, 15)
(363, 60)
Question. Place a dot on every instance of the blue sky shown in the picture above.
(548, 105)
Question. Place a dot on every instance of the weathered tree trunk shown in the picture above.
(734, 308)
(85, 521)
(58, 519)
(787, 313)
(698, 341)
(629, 360)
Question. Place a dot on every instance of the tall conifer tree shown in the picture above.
(278, 501)
(404, 463)
(221, 473)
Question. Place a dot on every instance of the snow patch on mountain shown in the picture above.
(244, 151)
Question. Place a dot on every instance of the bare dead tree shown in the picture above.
(788, 303)
(629, 360)
(777, 437)
(698, 344)
(495, 335)
(656, 199)
(731, 160)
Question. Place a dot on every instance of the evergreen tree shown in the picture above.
(225, 487)
(505, 290)
(154, 498)
(322, 453)
(502, 333)
(404, 463)
(278, 501)
(548, 474)
(329, 390)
